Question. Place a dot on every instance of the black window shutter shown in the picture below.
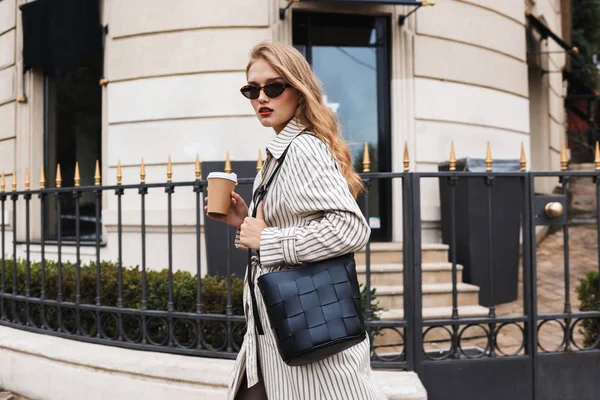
(61, 35)
(35, 34)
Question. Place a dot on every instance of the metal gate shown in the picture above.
(477, 360)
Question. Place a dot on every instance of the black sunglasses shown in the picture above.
(272, 90)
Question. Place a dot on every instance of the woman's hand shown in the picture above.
(252, 228)
(237, 212)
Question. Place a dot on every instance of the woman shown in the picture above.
(309, 214)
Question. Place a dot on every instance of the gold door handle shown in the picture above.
(554, 209)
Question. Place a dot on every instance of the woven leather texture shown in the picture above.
(314, 306)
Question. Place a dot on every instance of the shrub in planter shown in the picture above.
(587, 292)
(213, 289)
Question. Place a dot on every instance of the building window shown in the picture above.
(73, 128)
(350, 56)
(63, 40)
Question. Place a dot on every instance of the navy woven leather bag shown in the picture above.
(314, 309)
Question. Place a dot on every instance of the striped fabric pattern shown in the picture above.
(311, 216)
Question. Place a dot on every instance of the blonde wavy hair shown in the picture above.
(312, 112)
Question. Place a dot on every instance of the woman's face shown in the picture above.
(272, 112)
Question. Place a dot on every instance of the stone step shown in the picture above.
(437, 312)
(434, 295)
(392, 274)
(391, 252)
(389, 340)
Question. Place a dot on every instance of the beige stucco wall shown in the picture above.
(471, 79)
(174, 72)
(8, 96)
(7, 87)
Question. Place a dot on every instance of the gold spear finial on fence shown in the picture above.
(198, 170)
(259, 163)
(58, 176)
(14, 181)
(563, 157)
(597, 157)
(27, 181)
(2, 183)
(169, 169)
(523, 159)
(142, 171)
(227, 164)
(97, 175)
(452, 161)
(42, 178)
(77, 177)
(119, 173)
(406, 157)
(488, 157)
(366, 159)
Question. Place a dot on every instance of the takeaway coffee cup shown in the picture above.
(220, 186)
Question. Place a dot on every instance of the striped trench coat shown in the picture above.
(311, 216)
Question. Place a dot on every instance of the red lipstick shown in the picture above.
(265, 111)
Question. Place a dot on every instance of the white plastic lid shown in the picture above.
(232, 176)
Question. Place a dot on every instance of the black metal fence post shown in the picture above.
(42, 197)
(452, 182)
(15, 261)
(98, 199)
(170, 189)
(27, 198)
(229, 307)
(529, 276)
(59, 295)
(198, 189)
(143, 191)
(489, 181)
(119, 192)
(411, 332)
(417, 271)
(564, 180)
(533, 316)
(77, 197)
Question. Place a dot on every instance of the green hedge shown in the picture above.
(214, 298)
(587, 292)
(214, 288)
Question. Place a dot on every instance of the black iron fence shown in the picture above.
(170, 311)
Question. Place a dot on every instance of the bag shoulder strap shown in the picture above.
(262, 190)
(258, 196)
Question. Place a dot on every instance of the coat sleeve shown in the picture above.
(317, 191)
(238, 241)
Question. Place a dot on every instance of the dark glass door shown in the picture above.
(73, 129)
(350, 56)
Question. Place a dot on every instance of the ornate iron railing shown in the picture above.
(180, 322)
